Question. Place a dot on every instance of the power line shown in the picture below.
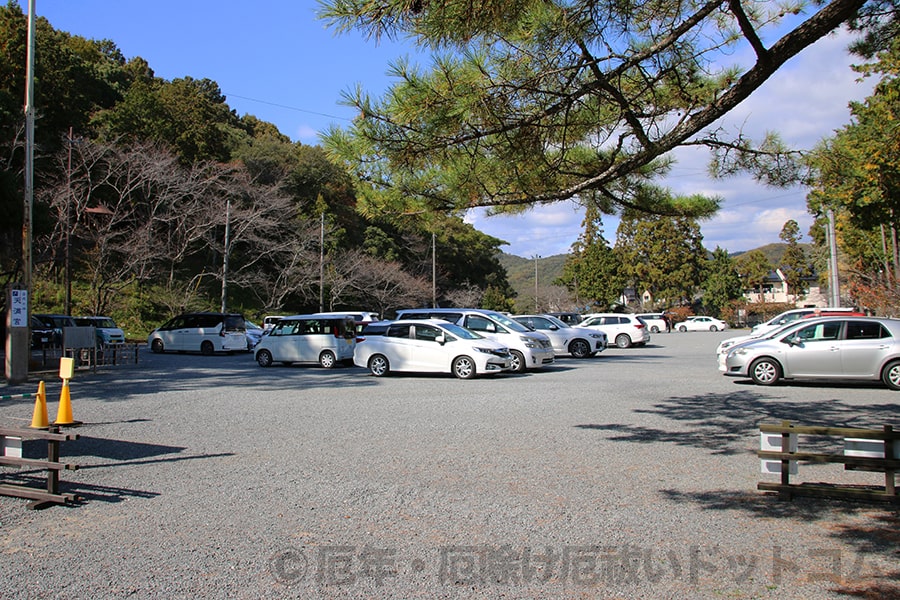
(285, 106)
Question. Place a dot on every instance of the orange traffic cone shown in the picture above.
(39, 419)
(64, 414)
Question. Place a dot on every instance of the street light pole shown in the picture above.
(536, 305)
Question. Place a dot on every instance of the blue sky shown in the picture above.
(275, 60)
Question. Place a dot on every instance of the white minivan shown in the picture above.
(206, 333)
(529, 349)
(323, 339)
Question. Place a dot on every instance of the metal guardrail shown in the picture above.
(105, 356)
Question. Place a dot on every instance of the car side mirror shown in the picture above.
(554, 328)
(441, 339)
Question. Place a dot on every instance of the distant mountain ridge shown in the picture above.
(520, 271)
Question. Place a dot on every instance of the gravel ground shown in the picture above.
(630, 475)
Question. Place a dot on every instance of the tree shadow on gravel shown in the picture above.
(724, 423)
(874, 530)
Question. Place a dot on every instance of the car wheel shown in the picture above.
(765, 371)
(264, 358)
(379, 365)
(654, 329)
(891, 375)
(327, 360)
(713, 328)
(623, 341)
(464, 367)
(682, 329)
(207, 348)
(579, 349)
(518, 362)
(157, 346)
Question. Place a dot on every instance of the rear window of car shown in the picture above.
(866, 330)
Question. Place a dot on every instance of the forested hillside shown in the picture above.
(143, 187)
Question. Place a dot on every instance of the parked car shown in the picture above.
(106, 330)
(254, 334)
(58, 323)
(829, 348)
(269, 321)
(565, 339)
(792, 315)
(432, 346)
(206, 333)
(42, 334)
(569, 318)
(764, 332)
(323, 339)
(529, 349)
(656, 322)
(701, 323)
(621, 329)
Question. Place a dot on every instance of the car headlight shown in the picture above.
(530, 342)
(597, 336)
(483, 350)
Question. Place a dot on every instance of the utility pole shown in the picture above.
(433, 271)
(536, 305)
(322, 263)
(225, 258)
(18, 316)
(832, 262)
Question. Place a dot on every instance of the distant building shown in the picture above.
(775, 289)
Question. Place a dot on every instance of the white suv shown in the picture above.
(622, 330)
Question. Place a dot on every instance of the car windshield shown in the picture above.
(509, 323)
(104, 322)
(251, 325)
(559, 323)
(461, 332)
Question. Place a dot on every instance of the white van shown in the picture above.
(325, 339)
(529, 349)
(206, 333)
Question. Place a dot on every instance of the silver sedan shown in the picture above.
(832, 348)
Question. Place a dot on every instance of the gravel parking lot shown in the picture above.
(632, 474)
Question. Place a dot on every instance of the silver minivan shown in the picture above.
(325, 339)
(206, 333)
(529, 349)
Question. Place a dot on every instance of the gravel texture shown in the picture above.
(629, 475)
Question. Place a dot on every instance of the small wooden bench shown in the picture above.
(11, 446)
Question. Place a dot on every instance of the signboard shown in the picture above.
(18, 310)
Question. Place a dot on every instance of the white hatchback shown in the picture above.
(622, 330)
(431, 346)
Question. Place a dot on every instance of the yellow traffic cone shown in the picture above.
(40, 419)
(64, 414)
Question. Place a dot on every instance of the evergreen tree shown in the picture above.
(591, 271)
(794, 263)
(722, 283)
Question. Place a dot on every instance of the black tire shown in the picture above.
(654, 329)
(682, 329)
(207, 348)
(580, 349)
(264, 358)
(379, 365)
(157, 346)
(463, 367)
(518, 362)
(890, 375)
(713, 328)
(623, 341)
(765, 371)
(327, 359)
